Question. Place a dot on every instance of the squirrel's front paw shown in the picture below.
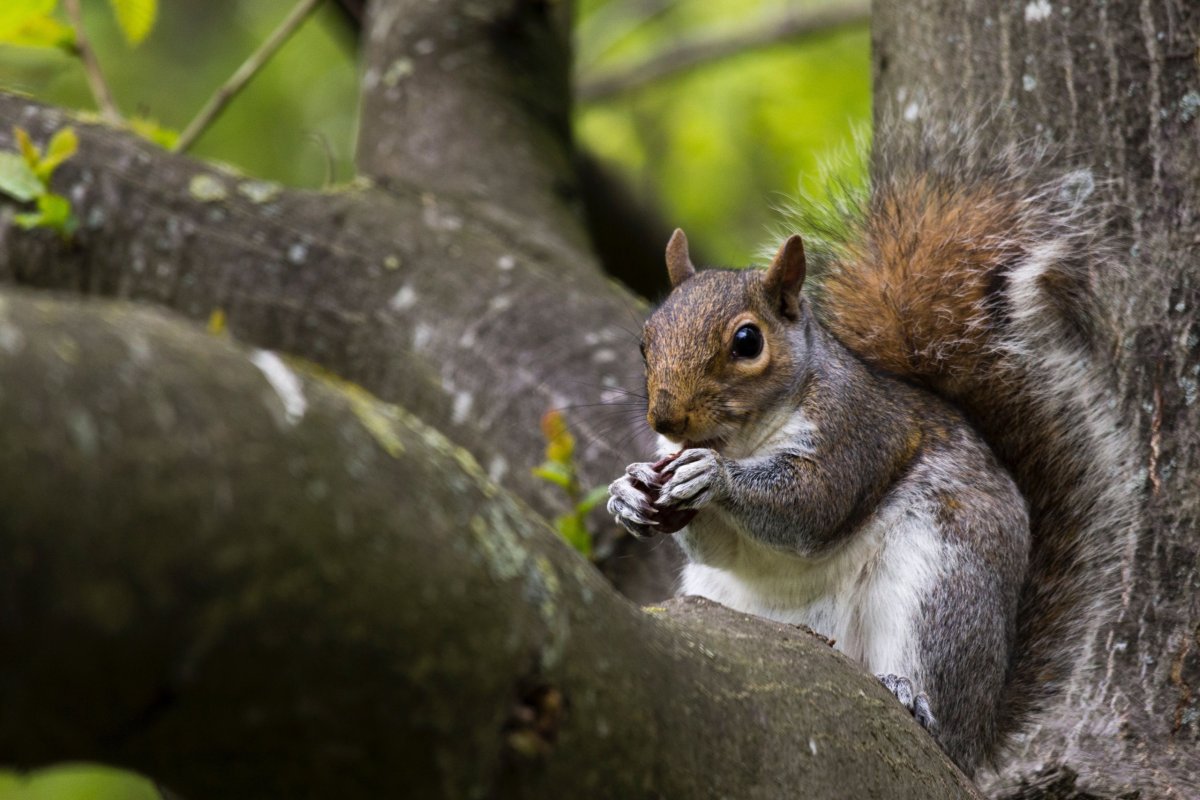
(917, 703)
(630, 506)
(695, 478)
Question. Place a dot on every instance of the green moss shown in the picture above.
(504, 554)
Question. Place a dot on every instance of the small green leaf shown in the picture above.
(571, 528)
(54, 213)
(29, 220)
(555, 473)
(62, 146)
(30, 23)
(591, 499)
(560, 444)
(17, 180)
(28, 149)
(136, 18)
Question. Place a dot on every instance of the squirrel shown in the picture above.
(918, 456)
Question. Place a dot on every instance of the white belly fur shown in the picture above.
(866, 596)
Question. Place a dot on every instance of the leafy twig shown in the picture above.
(238, 80)
(91, 67)
(25, 177)
(559, 469)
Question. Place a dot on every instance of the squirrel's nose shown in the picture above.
(669, 425)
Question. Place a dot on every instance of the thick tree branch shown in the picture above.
(788, 27)
(464, 288)
(265, 584)
(418, 297)
(471, 98)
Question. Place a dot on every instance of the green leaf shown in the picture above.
(17, 180)
(560, 444)
(571, 528)
(29, 220)
(28, 149)
(553, 472)
(591, 499)
(30, 23)
(62, 146)
(54, 213)
(136, 18)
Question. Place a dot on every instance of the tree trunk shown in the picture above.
(1116, 87)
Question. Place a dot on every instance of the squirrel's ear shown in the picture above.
(679, 263)
(785, 276)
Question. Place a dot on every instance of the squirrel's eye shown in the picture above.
(747, 342)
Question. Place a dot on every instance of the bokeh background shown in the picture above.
(715, 149)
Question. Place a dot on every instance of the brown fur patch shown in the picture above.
(911, 295)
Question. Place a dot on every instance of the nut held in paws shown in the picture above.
(673, 520)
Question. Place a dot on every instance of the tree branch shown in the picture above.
(422, 299)
(91, 65)
(249, 68)
(471, 98)
(708, 49)
(320, 596)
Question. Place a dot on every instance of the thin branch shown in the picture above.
(91, 66)
(710, 48)
(238, 80)
(612, 23)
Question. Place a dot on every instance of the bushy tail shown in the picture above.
(977, 271)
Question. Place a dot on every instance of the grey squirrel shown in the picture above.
(919, 456)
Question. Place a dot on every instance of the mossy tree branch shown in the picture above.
(245, 580)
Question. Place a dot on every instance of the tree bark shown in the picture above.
(423, 299)
(1115, 86)
(458, 280)
(246, 579)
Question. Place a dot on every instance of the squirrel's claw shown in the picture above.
(916, 702)
(697, 478)
(630, 507)
(643, 472)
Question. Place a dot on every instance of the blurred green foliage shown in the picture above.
(715, 149)
(559, 469)
(293, 123)
(25, 177)
(76, 782)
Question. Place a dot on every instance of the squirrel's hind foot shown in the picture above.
(916, 702)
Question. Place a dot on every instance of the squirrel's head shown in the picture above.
(724, 347)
